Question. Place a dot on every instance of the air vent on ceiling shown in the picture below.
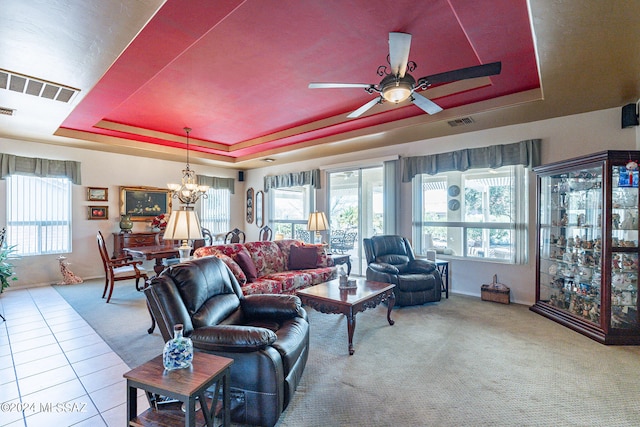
(4, 111)
(36, 87)
(461, 122)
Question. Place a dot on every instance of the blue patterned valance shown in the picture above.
(525, 153)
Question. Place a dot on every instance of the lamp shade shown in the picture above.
(183, 225)
(317, 222)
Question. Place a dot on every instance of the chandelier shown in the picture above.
(188, 191)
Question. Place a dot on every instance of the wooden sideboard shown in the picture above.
(135, 240)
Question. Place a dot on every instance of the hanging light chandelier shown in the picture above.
(188, 191)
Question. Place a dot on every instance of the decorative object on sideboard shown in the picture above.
(125, 223)
(159, 223)
(188, 191)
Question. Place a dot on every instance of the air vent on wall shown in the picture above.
(36, 87)
(4, 111)
(461, 122)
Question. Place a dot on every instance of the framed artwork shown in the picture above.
(144, 203)
(97, 194)
(250, 205)
(98, 212)
(259, 209)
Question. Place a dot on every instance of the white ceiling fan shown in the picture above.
(397, 85)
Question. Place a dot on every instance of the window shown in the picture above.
(215, 210)
(481, 213)
(290, 208)
(39, 215)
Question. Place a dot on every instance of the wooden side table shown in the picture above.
(443, 269)
(342, 259)
(184, 385)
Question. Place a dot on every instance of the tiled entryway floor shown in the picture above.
(55, 367)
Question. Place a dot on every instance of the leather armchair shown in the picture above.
(266, 335)
(391, 259)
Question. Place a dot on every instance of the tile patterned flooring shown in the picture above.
(55, 367)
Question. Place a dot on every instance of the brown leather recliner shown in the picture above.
(391, 259)
(266, 335)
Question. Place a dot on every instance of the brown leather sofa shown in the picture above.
(391, 259)
(266, 335)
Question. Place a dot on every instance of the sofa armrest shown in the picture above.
(383, 267)
(269, 306)
(232, 338)
(421, 266)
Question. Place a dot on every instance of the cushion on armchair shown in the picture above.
(236, 338)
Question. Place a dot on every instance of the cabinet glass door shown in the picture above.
(571, 242)
(624, 242)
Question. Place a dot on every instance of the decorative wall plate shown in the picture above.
(454, 205)
(453, 191)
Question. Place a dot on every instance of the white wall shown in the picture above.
(100, 170)
(563, 138)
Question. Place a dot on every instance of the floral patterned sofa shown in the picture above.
(273, 267)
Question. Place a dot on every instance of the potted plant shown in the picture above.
(6, 268)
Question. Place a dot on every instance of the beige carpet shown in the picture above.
(459, 362)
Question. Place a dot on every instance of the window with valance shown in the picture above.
(473, 203)
(43, 168)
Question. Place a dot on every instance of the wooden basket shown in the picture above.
(496, 292)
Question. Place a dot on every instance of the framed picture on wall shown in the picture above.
(144, 203)
(98, 212)
(97, 194)
(250, 205)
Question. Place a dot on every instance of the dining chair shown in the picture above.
(235, 236)
(265, 233)
(115, 269)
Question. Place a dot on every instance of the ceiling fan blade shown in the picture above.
(399, 46)
(426, 104)
(464, 73)
(336, 85)
(360, 111)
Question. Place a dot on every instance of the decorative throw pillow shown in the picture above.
(302, 258)
(246, 264)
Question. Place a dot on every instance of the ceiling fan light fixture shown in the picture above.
(396, 89)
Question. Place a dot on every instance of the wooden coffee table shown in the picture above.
(329, 298)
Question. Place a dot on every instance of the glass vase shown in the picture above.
(178, 352)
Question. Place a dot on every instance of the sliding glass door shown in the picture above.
(355, 211)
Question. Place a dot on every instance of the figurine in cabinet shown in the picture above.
(629, 222)
(615, 219)
(564, 220)
(594, 313)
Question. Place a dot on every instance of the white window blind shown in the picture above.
(39, 215)
(215, 210)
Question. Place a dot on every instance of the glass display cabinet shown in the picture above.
(587, 245)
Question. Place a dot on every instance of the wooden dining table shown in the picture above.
(158, 253)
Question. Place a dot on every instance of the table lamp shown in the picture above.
(317, 222)
(183, 225)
